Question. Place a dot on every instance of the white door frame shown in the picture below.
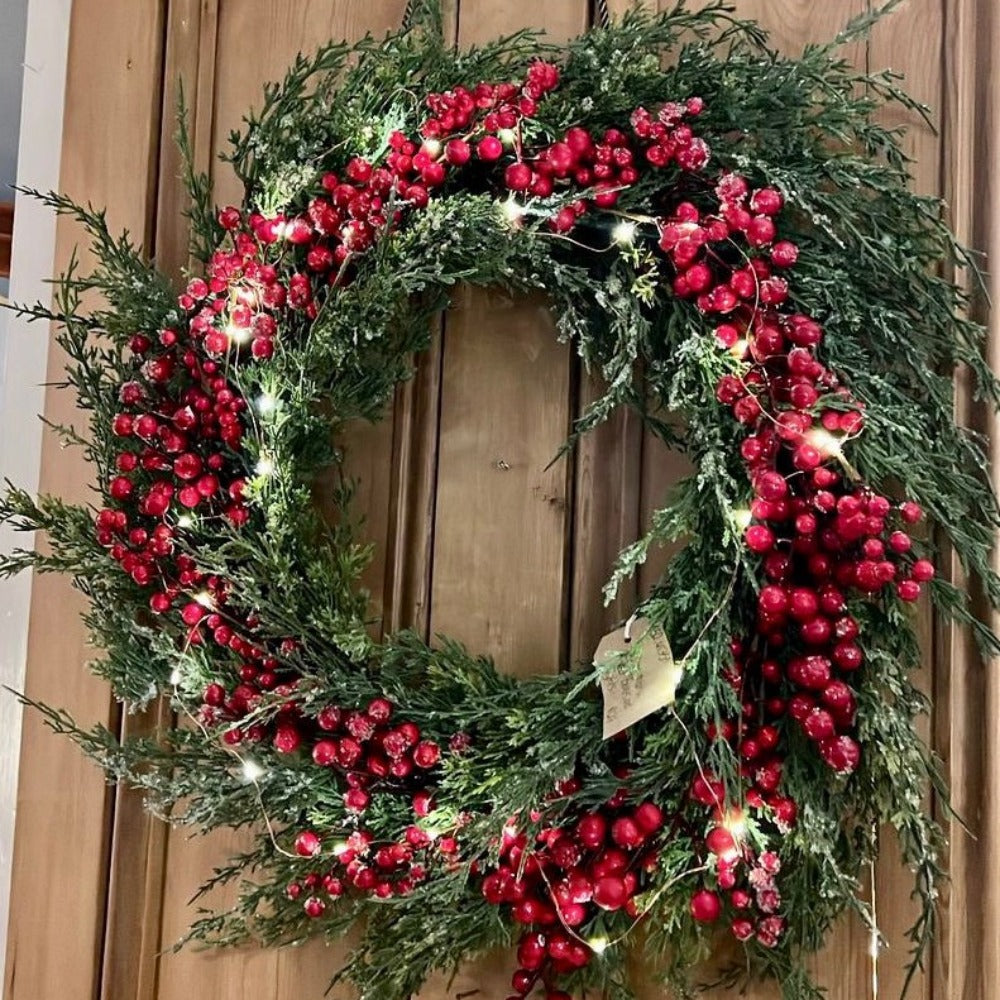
(23, 358)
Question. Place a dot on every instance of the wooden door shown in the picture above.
(477, 536)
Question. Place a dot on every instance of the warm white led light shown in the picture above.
(175, 676)
(624, 232)
(507, 136)
(238, 334)
(185, 521)
(266, 403)
(743, 517)
(598, 945)
(736, 824)
(205, 599)
(432, 148)
(827, 444)
(513, 211)
(739, 349)
(265, 466)
(252, 771)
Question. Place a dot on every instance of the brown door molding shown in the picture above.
(6, 233)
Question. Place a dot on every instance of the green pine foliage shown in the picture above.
(874, 264)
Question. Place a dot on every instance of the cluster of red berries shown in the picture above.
(366, 866)
(565, 876)
(744, 881)
(369, 753)
(822, 537)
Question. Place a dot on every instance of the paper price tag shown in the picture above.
(639, 683)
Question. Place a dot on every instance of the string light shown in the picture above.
(432, 148)
(742, 517)
(736, 824)
(265, 466)
(185, 521)
(205, 599)
(739, 349)
(266, 403)
(175, 677)
(827, 444)
(624, 232)
(237, 334)
(598, 945)
(513, 211)
(507, 136)
(252, 771)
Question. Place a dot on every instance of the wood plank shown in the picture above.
(229, 81)
(189, 64)
(792, 24)
(502, 519)
(966, 957)
(605, 520)
(413, 494)
(139, 841)
(910, 41)
(61, 850)
(502, 516)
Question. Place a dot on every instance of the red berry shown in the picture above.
(532, 951)
(610, 892)
(818, 725)
(324, 753)
(759, 538)
(625, 833)
(842, 754)
(908, 590)
(705, 906)
(458, 152)
(922, 570)
(426, 754)
(307, 844)
(356, 800)
(721, 842)
(767, 201)
(784, 253)
(591, 831)
(649, 817)
(287, 738)
(314, 907)
(911, 512)
(847, 655)
(490, 148)
(517, 176)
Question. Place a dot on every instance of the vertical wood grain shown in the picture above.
(967, 696)
(842, 967)
(245, 43)
(60, 880)
(910, 42)
(138, 860)
(502, 518)
(605, 520)
(501, 537)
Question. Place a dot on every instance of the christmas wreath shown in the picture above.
(726, 235)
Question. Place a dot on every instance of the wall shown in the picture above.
(23, 354)
(441, 504)
(13, 21)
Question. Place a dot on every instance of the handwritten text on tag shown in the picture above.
(641, 676)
